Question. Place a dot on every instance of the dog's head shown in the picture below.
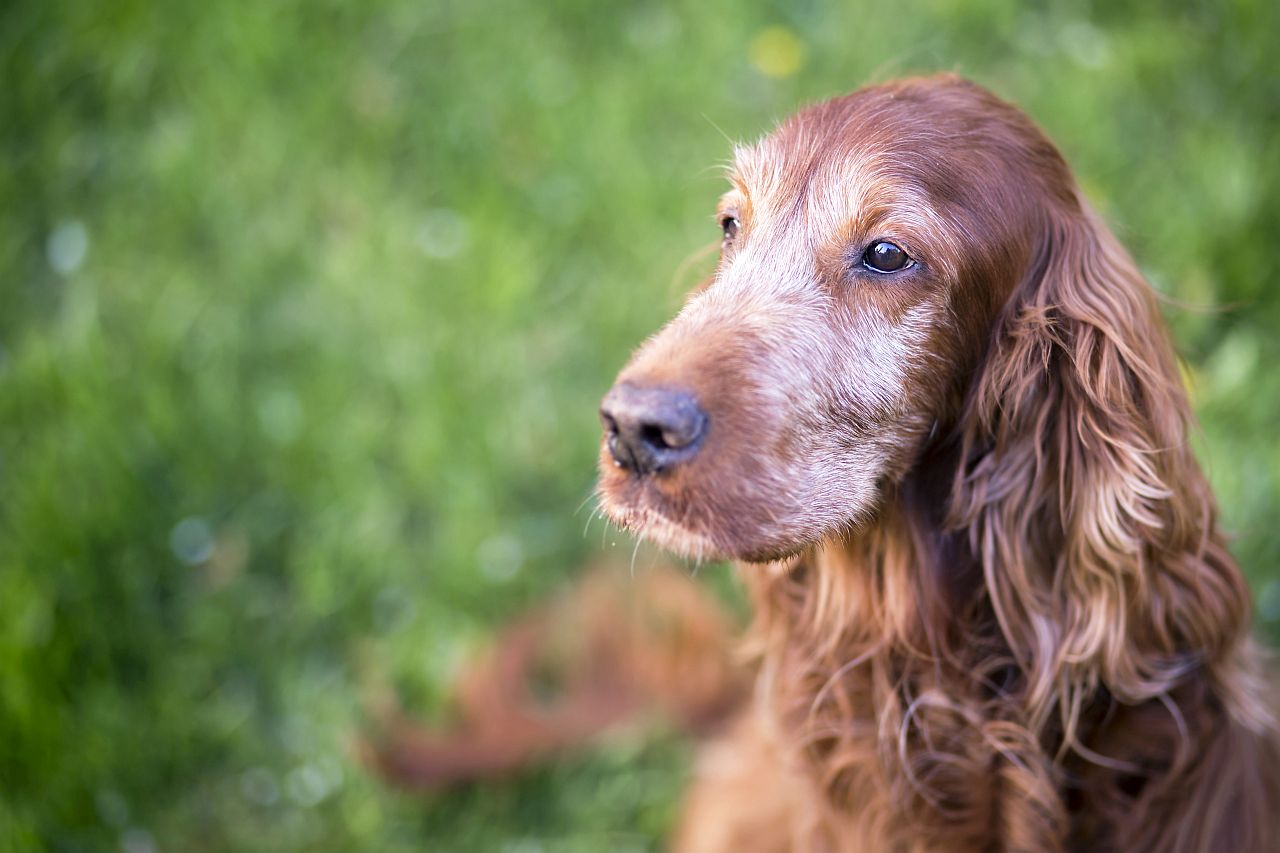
(869, 245)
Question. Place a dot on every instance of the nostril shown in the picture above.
(680, 430)
(650, 429)
(656, 436)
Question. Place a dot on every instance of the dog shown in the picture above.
(929, 404)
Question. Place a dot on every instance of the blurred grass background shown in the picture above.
(306, 309)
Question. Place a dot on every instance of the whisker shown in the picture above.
(634, 552)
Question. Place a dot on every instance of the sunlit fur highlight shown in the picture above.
(993, 606)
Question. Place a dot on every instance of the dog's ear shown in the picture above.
(1093, 522)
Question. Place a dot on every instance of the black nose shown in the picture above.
(651, 429)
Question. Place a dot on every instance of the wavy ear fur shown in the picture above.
(1093, 523)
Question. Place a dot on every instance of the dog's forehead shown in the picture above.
(824, 171)
(788, 159)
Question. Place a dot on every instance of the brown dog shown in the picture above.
(929, 401)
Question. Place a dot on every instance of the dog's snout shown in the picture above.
(651, 429)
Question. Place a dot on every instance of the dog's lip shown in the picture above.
(642, 505)
(643, 512)
(634, 495)
(673, 536)
(643, 509)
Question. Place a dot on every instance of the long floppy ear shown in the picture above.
(1094, 524)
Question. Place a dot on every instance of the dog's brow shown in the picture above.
(739, 186)
(748, 167)
(737, 175)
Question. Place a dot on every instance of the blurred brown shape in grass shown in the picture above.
(610, 652)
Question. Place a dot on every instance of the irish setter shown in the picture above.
(929, 403)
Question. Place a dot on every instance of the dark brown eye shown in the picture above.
(885, 257)
(729, 224)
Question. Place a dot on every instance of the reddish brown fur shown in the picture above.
(994, 610)
(608, 652)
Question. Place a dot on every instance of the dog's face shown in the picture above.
(869, 243)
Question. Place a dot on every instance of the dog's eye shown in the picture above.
(884, 257)
(729, 224)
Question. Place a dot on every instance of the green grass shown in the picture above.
(306, 309)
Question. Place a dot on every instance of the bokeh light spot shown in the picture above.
(777, 52)
(191, 541)
(306, 786)
(500, 557)
(68, 246)
(443, 234)
(650, 27)
(1086, 44)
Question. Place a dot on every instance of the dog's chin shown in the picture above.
(651, 524)
(641, 512)
(654, 527)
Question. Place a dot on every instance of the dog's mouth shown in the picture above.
(682, 519)
(638, 505)
(655, 527)
(733, 508)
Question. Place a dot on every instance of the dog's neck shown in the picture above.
(897, 584)
(874, 648)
